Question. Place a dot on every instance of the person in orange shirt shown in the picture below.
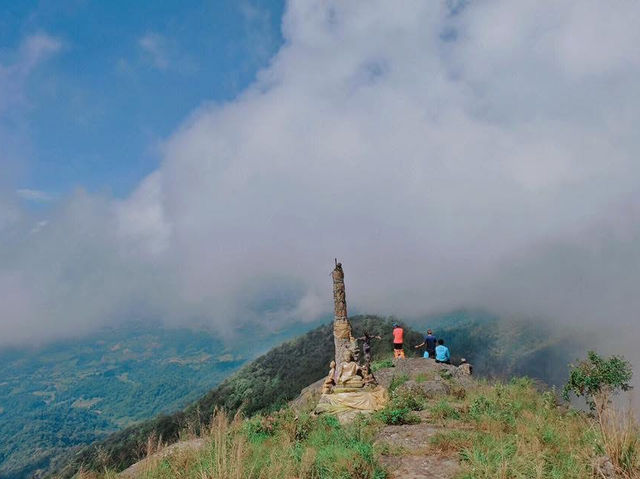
(398, 341)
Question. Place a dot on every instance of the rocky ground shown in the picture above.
(406, 452)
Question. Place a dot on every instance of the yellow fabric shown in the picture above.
(363, 400)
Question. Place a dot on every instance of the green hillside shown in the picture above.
(68, 394)
(275, 378)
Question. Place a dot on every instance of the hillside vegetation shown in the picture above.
(269, 382)
(264, 385)
(468, 430)
(64, 395)
(76, 392)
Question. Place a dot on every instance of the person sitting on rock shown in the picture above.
(442, 353)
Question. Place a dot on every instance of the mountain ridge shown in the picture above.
(275, 378)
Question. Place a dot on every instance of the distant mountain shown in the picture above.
(505, 347)
(72, 393)
(496, 347)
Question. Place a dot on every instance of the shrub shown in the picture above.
(597, 379)
(397, 381)
(330, 421)
(259, 427)
(396, 417)
(405, 398)
(304, 426)
(382, 364)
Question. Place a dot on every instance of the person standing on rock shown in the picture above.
(442, 353)
(398, 341)
(430, 343)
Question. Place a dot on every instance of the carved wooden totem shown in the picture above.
(341, 326)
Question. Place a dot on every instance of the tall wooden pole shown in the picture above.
(341, 325)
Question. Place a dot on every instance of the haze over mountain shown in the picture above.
(451, 153)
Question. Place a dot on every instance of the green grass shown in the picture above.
(381, 364)
(505, 431)
(282, 445)
(397, 416)
(518, 433)
(444, 410)
(423, 377)
(412, 399)
(397, 381)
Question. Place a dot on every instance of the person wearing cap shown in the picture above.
(430, 343)
(398, 341)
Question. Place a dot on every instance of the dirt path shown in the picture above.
(408, 455)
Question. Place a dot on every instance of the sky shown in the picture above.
(206, 166)
(109, 81)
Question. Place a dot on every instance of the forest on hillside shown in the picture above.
(67, 394)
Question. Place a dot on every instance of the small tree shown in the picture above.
(597, 379)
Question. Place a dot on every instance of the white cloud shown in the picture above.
(481, 158)
(39, 226)
(34, 195)
(258, 33)
(37, 48)
(32, 52)
(156, 49)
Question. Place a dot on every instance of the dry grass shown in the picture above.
(621, 439)
(500, 431)
(281, 446)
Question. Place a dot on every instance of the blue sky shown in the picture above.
(123, 77)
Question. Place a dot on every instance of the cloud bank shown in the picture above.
(450, 153)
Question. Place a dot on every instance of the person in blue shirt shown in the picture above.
(442, 353)
(430, 343)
